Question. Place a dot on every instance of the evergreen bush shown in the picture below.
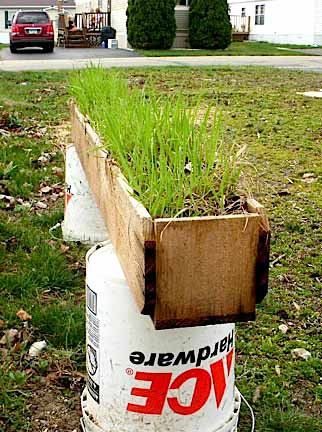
(151, 24)
(209, 24)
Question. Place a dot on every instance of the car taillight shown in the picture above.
(50, 29)
(15, 30)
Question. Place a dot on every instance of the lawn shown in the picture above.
(235, 49)
(44, 276)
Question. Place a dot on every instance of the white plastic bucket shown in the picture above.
(147, 380)
(112, 43)
(82, 220)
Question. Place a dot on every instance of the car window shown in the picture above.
(32, 18)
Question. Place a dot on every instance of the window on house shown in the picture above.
(259, 14)
(183, 2)
(243, 12)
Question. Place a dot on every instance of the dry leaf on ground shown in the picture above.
(23, 315)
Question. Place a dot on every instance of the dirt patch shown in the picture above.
(54, 410)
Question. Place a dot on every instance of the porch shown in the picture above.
(240, 27)
(84, 30)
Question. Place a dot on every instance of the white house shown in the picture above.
(9, 7)
(277, 21)
(282, 21)
(118, 18)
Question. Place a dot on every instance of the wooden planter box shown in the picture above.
(182, 272)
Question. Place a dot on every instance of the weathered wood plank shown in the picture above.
(262, 264)
(206, 269)
(128, 222)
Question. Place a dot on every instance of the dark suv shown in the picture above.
(32, 29)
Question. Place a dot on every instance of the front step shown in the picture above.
(76, 46)
(76, 40)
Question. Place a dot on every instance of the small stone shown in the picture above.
(54, 197)
(43, 160)
(283, 328)
(45, 189)
(301, 353)
(41, 205)
(308, 175)
(36, 348)
(8, 199)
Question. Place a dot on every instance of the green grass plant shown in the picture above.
(171, 152)
(247, 48)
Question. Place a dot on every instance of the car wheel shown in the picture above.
(13, 49)
(49, 49)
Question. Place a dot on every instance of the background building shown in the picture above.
(277, 21)
(282, 21)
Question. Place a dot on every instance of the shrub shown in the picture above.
(151, 24)
(209, 24)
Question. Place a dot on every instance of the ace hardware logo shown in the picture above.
(158, 387)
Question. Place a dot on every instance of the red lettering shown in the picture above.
(200, 394)
(68, 197)
(219, 380)
(155, 395)
(229, 360)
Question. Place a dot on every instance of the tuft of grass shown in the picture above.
(171, 153)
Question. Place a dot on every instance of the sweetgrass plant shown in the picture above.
(172, 155)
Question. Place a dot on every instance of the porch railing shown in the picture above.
(93, 21)
(240, 24)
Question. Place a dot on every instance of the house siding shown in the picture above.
(182, 21)
(118, 21)
(88, 5)
(318, 23)
(286, 21)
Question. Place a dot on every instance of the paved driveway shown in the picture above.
(80, 58)
(66, 54)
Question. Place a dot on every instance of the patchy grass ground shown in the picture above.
(246, 48)
(261, 108)
(39, 274)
